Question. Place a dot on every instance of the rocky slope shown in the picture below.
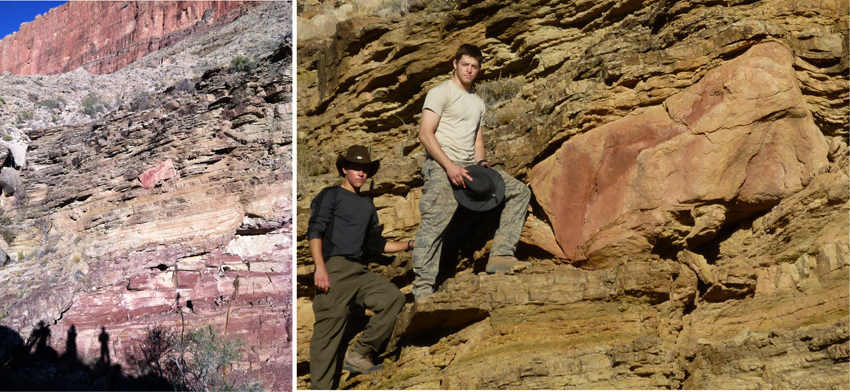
(689, 166)
(165, 212)
(65, 38)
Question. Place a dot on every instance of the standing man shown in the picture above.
(451, 132)
(342, 224)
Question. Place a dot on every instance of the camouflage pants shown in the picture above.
(437, 207)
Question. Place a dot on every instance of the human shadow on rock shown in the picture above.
(33, 365)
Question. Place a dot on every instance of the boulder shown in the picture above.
(19, 153)
(10, 180)
(741, 139)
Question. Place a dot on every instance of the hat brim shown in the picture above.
(481, 205)
(373, 166)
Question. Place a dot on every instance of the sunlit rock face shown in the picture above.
(689, 169)
(169, 213)
(66, 38)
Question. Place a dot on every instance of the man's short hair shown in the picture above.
(471, 51)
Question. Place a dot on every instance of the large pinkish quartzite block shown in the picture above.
(741, 139)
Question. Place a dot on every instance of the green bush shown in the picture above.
(93, 104)
(2, 100)
(242, 64)
(204, 360)
(24, 116)
(8, 235)
(50, 103)
(7, 137)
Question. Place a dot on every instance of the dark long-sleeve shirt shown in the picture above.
(346, 222)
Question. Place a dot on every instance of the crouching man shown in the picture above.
(342, 224)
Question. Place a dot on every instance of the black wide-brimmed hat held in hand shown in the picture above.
(485, 192)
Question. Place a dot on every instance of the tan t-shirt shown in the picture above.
(461, 114)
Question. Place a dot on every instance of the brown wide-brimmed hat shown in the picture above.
(357, 154)
(485, 192)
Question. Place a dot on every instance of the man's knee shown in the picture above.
(391, 301)
(394, 300)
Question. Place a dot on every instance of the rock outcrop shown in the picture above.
(160, 218)
(739, 140)
(689, 169)
(65, 38)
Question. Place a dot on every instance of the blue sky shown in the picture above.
(13, 13)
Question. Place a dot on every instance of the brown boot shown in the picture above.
(505, 263)
(359, 363)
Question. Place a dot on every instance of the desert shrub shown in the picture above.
(395, 7)
(2, 100)
(7, 137)
(93, 104)
(498, 90)
(242, 64)
(32, 97)
(50, 103)
(184, 85)
(439, 5)
(204, 361)
(143, 101)
(24, 116)
(8, 234)
(507, 113)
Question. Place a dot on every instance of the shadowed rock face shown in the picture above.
(173, 216)
(66, 38)
(689, 169)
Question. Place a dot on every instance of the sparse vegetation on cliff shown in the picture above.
(200, 360)
(242, 64)
(6, 230)
(24, 116)
(498, 90)
(93, 104)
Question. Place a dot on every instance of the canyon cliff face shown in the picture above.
(103, 37)
(168, 213)
(689, 169)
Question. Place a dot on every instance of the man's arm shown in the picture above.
(320, 277)
(398, 246)
(427, 130)
(320, 217)
(479, 152)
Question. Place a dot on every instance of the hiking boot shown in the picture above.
(359, 363)
(505, 263)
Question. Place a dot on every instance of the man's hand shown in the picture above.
(457, 174)
(322, 280)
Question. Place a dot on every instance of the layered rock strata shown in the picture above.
(174, 218)
(65, 38)
(689, 169)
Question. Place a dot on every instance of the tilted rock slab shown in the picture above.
(740, 139)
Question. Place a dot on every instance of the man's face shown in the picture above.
(466, 69)
(356, 174)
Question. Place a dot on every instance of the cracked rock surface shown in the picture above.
(689, 168)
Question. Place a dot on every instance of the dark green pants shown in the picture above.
(351, 284)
